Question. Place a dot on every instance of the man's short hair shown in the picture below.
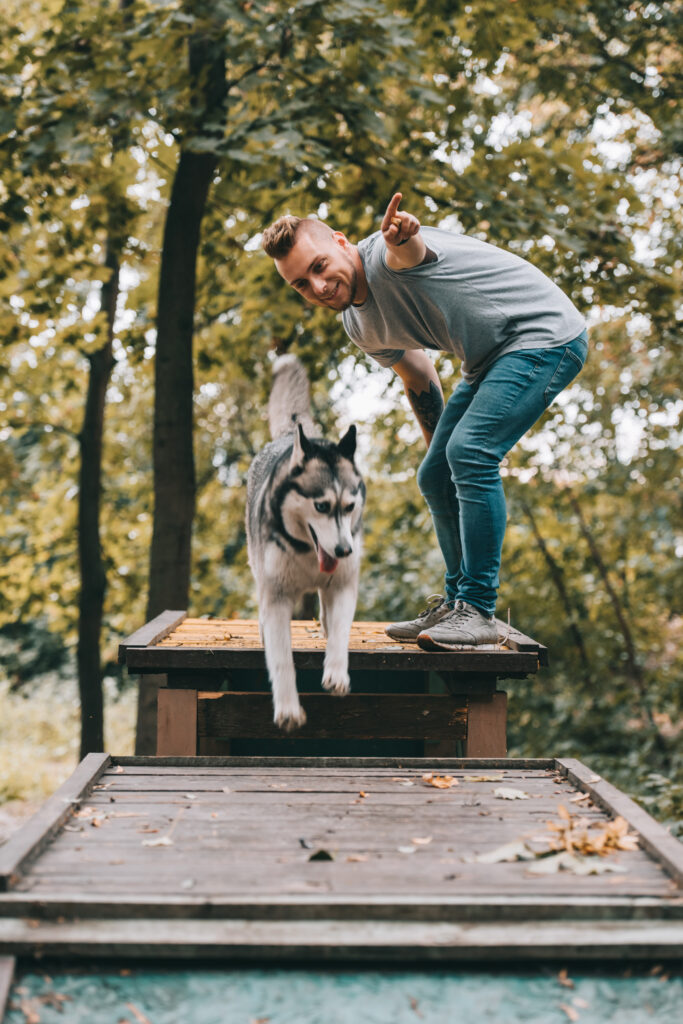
(279, 238)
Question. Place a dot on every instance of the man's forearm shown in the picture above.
(427, 404)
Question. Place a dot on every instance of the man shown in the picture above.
(520, 340)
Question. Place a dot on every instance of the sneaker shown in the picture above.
(437, 608)
(465, 624)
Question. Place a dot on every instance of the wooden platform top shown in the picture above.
(338, 858)
(173, 640)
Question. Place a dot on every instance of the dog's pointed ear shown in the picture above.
(302, 447)
(347, 445)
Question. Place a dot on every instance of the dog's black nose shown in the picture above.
(342, 551)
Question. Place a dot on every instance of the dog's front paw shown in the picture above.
(336, 682)
(289, 718)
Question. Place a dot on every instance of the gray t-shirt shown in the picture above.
(475, 300)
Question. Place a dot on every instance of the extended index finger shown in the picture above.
(391, 210)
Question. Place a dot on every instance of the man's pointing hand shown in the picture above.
(401, 232)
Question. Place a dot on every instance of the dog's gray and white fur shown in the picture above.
(305, 501)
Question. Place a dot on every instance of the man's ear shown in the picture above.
(340, 238)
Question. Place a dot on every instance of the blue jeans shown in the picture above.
(460, 475)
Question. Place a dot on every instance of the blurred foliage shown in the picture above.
(551, 129)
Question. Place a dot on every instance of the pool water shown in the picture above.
(58, 994)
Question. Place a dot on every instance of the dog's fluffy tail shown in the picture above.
(290, 398)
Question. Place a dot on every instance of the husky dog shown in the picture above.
(304, 518)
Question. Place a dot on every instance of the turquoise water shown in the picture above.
(296, 996)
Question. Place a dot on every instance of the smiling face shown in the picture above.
(324, 268)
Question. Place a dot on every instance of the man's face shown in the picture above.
(322, 269)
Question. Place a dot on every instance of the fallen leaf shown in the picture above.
(439, 781)
(565, 861)
(570, 1011)
(415, 1006)
(226, 789)
(161, 841)
(564, 979)
(190, 796)
(581, 1003)
(506, 793)
(362, 793)
(139, 1016)
(305, 844)
(119, 770)
(483, 778)
(504, 854)
(580, 798)
(421, 840)
(187, 883)
(406, 849)
(595, 778)
(403, 782)
(357, 857)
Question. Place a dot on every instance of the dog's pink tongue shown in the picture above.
(326, 562)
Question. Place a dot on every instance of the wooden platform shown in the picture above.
(173, 641)
(215, 697)
(336, 858)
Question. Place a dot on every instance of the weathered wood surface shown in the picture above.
(7, 967)
(210, 644)
(357, 940)
(234, 865)
(653, 837)
(366, 716)
(28, 841)
(152, 632)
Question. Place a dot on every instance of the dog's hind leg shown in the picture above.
(275, 618)
(338, 608)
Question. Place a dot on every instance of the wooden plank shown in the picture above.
(500, 662)
(517, 641)
(358, 716)
(405, 905)
(7, 968)
(151, 633)
(487, 727)
(33, 837)
(341, 940)
(177, 722)
(441, 763)
(667, 850)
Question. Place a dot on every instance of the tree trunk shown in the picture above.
(557, 577)
(174, 470)
(634, 669)
(93, 580)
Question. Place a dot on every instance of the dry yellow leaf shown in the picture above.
(439, 781)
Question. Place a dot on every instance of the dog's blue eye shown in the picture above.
(322, 507)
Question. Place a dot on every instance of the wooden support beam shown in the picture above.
(486, 726)
(177, 722)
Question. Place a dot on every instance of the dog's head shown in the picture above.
(325, 496)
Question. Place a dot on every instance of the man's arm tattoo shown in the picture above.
(427, 406)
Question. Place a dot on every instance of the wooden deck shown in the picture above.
(173, 641)
(333, 858)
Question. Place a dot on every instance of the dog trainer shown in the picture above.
(408, 288)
